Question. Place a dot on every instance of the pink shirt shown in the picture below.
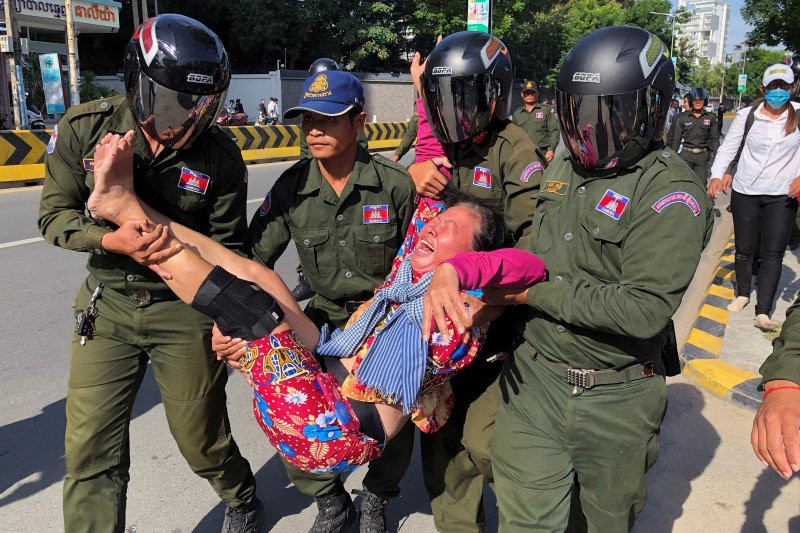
(428, 146)
(509, 268)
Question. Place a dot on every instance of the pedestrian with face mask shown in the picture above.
(766, 142)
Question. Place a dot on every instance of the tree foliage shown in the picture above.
(382, 35)
(774, 22)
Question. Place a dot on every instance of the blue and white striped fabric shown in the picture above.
(395, 363)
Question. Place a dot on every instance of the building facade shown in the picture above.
(707, 31)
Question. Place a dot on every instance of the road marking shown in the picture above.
(20, 243)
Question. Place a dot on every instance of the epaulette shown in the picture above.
(226, 142)
(103, 106)
(383, 161)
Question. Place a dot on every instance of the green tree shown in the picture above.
(706, 75)
(758, 59)
(774, 22)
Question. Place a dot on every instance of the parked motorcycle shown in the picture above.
(231, 118)
(35, 119)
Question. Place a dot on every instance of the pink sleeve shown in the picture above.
(509, 267)
(427, 145)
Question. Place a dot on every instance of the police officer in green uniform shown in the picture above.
(774, 436)
(193, 173)
(408, 139)
(494, 159)
(697, 130)
(621, 224)
(347, 213)
(538, 120)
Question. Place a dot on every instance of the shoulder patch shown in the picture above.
(677, 197)
(536, 166)
(51, 144)
(265, 205)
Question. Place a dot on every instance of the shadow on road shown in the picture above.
(688, 442)
(34, 447)
(766, 490)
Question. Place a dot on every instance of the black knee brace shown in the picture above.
(238, 307)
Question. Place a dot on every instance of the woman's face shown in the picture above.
(447, 235)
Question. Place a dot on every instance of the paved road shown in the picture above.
(706, 479)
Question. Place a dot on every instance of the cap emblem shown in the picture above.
(319, 84)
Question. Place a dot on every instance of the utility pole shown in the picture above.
(12, 59)
(74, 94)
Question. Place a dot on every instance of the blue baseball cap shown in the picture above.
(331, 93)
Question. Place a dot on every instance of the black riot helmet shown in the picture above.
(176, 76)
(612, 96)
(322, 64)
(698, 93)
(467, 82)
(794, 64)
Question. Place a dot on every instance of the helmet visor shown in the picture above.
(458, 107)
(603, 131)
(170, 117)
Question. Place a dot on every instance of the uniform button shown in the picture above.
(376, 239)
(560, 328)
(149, 171)
(666, 154)
(568, 236)
(540, 208)
(130, 277)
(581, 190)
(343, 243)
(306, 242)
(104, 105)
(98, 251)
(339, 217)
(348, 274)
(559, 278)
(595, 231)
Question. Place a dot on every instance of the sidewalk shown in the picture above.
(723, 351)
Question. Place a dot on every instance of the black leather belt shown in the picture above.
(366, 412)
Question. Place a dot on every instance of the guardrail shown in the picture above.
(22, 152)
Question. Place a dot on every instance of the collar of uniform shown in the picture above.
(359, 176)
(122, 121)
(537, 106)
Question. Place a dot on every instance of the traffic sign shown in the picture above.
(742, 82)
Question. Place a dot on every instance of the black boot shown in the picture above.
(303, 290)
(336, 513)
(373, 515)
(247, 518)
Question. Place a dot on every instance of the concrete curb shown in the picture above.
(703, 346)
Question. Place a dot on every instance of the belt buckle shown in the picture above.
(140, 296)
(580, 377)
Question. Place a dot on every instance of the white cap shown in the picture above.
(778, 71)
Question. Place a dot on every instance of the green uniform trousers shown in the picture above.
(104, 378)
(698, 163)
(550, 435)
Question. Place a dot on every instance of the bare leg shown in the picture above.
(113, 199)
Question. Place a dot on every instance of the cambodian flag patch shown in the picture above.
(265, 205)
(612, 204)
(88, 165)
(51, 144)
(706, 122)
(677, 198)
(194, 181)
(536, 166)
(539, 114)
(482, 177)
(376, 214)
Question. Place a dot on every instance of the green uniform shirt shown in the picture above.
(784, 362)
(504, 170)
(696, 132)
(203, 187)
(409, 136)
(346, 243)
(620, 252)
(540, 123)
(305, 154)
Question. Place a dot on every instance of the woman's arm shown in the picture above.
(729, 147)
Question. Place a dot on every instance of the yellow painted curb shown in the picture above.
(716, 375)
(722, 292)
(714, 313)
(705, 341)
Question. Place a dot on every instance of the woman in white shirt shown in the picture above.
(764, 188)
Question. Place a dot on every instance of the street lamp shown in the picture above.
(674, 19)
